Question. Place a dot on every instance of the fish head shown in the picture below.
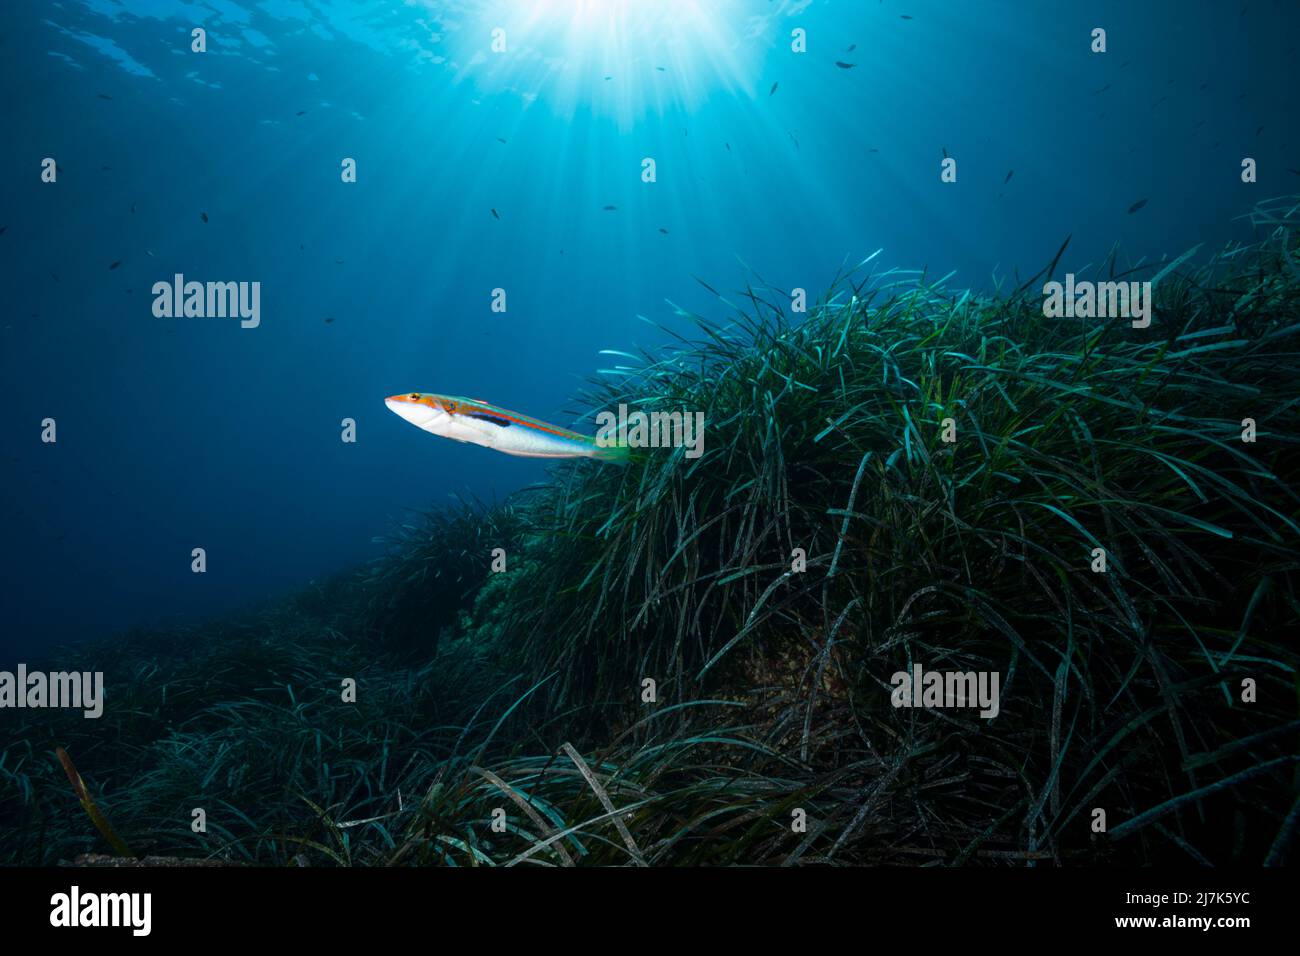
(433, 413)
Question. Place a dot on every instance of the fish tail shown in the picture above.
(614, 454)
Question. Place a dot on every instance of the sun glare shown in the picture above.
(625, 56)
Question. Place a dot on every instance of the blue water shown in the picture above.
(176, 433)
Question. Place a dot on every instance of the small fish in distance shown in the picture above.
(773, 89)
(495, 214)
(845, 66)
(1136, 206)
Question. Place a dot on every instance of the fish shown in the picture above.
(500, 140)
(477, 422)
(3, 228)
(104, 96)
(203, 216)
(773, 89)
(1008, 179)
(661, 229)
(1136, 206)
(845, 66)
(114, 265)
(609, 208)
(495, 214)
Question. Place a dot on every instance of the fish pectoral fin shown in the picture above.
(487, 432)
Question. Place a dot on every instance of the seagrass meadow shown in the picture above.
(520, 694)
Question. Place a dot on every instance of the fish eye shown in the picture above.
(415, 396)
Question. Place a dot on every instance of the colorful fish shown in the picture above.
(480, 423)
